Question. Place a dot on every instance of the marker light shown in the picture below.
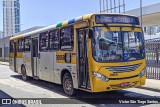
(142, 73)
(71, 21)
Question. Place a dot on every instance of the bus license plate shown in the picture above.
(125, 84)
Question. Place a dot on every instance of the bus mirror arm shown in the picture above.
(90, 33)
(133, 26)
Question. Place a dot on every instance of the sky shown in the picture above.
(49, 12)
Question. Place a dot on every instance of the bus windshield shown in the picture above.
(117, 46)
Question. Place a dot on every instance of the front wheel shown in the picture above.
(68, 85)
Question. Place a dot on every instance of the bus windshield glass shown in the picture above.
(117, 46)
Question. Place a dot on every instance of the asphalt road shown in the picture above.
(12, 86)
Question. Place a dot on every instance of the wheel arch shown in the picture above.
(22, 66)
(63, 72)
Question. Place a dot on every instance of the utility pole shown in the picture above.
(124, 10)
(100, 5)
(112, 6)
(141, 11)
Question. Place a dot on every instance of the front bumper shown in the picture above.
(101, 86)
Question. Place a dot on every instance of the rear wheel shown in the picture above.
(24, 75)
(68, 85)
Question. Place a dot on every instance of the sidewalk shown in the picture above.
(4, 63)
(151, 84)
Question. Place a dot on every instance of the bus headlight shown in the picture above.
(142, 73)
(100, 76)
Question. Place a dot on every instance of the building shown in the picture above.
(29, 30)
(4, 43)
(1, 34)
(11, 17)
(150, 20)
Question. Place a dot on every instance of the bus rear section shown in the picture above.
(15, 53)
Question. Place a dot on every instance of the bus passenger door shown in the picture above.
(15, 57)
(34, 57)
(27, 55)
(83, 59)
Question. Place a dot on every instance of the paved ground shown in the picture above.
(151, 84)
(12, 86)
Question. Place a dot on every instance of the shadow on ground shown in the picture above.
(85, 97)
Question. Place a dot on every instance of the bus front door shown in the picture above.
(34, 57)
(83, 58)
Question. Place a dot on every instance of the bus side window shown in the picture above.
(66, 38)
(43, 44)
(20, 45)
(27, 44)
(54, 40)
(11, 49)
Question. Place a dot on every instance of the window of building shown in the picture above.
(0, 52)
(54, 40)
(11, 46)
(66, 38)
(15, 4)
(20, 45)
(6, 51)
(43, 44)
(3, 3)
(27, 44)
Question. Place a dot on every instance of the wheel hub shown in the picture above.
(68, 85)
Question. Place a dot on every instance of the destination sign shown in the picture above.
(118, 19)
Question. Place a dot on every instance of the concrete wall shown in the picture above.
(4, 49)
(150, 14)
(151, 9)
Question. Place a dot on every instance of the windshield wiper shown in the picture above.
(106, 25)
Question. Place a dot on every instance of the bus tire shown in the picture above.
(23, 73)
(68, 84)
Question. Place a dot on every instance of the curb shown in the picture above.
(4, 64)
(150, 89)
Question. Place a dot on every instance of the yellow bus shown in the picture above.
(94, 53)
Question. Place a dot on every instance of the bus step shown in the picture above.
(84, 87)
(36, 78)
(88, 90)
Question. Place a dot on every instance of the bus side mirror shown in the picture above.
(90, 33)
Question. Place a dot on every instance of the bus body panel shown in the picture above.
(62, 65)
(19, 64)
(46, 68)
(118, 78)
(27, 63)
(59, 67)
(11, 61)
(19, 61)
(100, 86)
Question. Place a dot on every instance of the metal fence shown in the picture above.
(153, 58)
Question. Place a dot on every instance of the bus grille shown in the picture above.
(123, 78)
(123, 68)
